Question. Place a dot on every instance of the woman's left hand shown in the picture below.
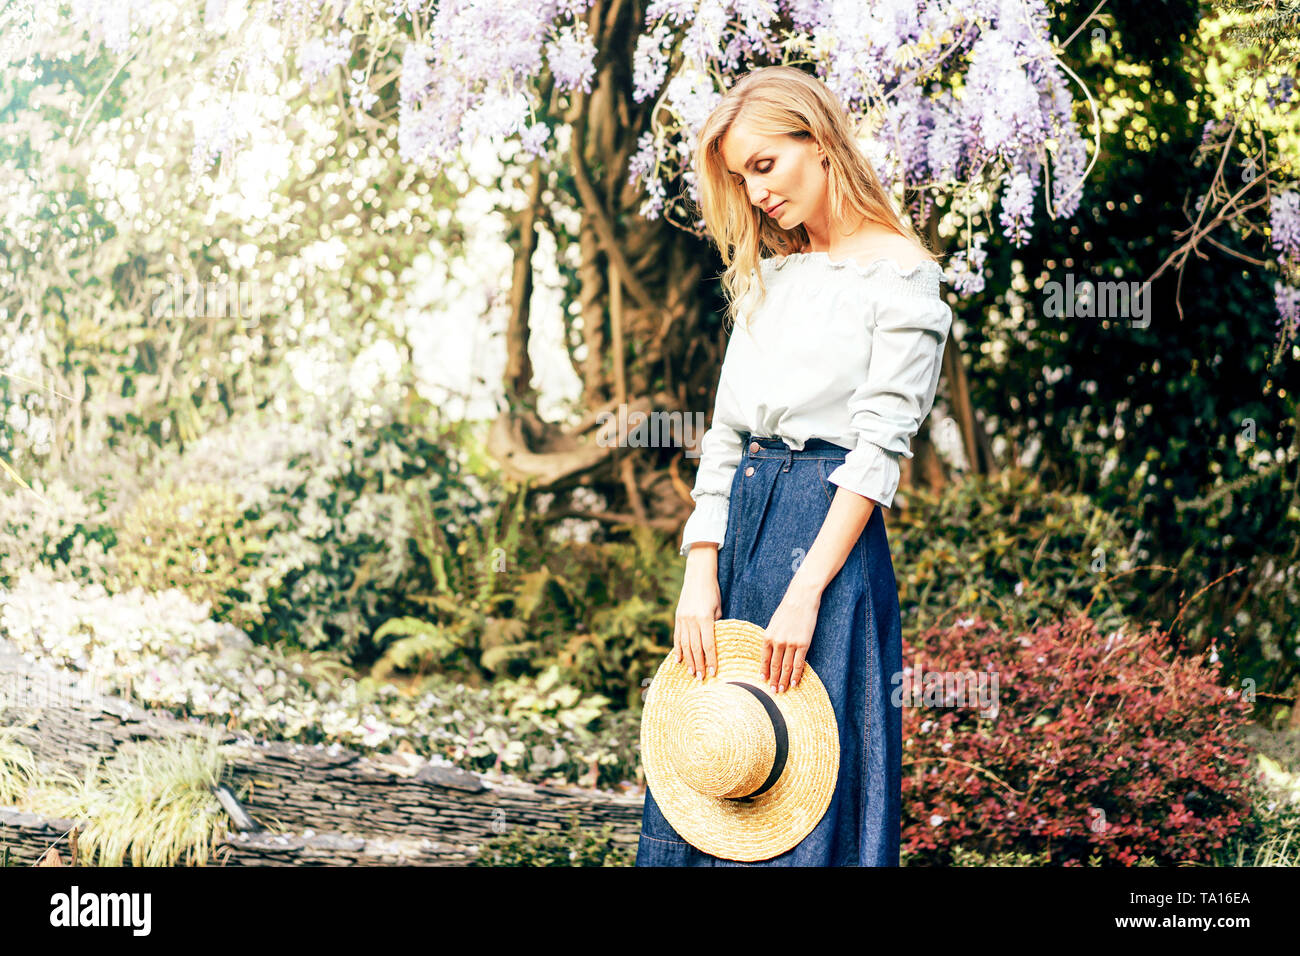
(788, 636)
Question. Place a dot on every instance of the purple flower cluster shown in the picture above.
(469, 70)
(112, 22)
(957, 95)
(571, 57)
(474, 73)
(1287, 299)
(217, 131)
(1012, 105)
(1284, 222)
(1017, 209)
(966, 267)
(1283, 91)
(360, 96)
(1213, 130)
(319, 55)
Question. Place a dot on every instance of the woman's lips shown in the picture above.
(777, 209)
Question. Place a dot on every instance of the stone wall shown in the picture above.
(317, 805)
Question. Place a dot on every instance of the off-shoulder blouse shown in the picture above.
(836, 350)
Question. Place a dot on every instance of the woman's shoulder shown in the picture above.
(899, 251)
(893, 265)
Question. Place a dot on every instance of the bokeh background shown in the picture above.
(326, 327)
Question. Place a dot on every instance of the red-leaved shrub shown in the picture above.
(1099, 744)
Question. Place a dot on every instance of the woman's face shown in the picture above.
(781, 175)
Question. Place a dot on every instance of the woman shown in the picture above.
(820, 392)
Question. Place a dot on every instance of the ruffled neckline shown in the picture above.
(852, 265)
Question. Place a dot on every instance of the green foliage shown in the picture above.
(573, 846)
(163, 651)
(540, 728)
(338, 563)
(420, 643)
(1272, 837)
(1185, 427)
(965, 857)
(151, 803)
(1009, 549)
(505, 599)
(472, 632)
(631, 591)
(55, 526)
(18, 768)
(296, 530)
(93, 265)
(194, 537)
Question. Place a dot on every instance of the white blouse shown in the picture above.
(836, 350)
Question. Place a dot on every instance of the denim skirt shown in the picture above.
(779, 499)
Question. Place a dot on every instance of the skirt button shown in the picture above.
(749, 470)
(753, 447)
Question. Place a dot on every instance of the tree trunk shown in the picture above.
(642, 318)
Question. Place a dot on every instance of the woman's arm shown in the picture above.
(908, 335)
(844, 524)
(791, 628)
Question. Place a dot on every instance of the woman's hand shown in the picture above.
(699, 605)
(789, 635)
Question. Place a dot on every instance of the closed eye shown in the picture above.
(770, 164)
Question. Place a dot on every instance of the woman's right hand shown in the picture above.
(698, 607)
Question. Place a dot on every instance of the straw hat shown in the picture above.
(739, 772)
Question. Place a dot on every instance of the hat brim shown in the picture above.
(753, 828)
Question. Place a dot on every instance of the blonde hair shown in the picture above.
(783, 100)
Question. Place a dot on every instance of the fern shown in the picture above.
(421, 642)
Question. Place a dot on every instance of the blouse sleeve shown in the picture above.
(720, 454)
(910, 331)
